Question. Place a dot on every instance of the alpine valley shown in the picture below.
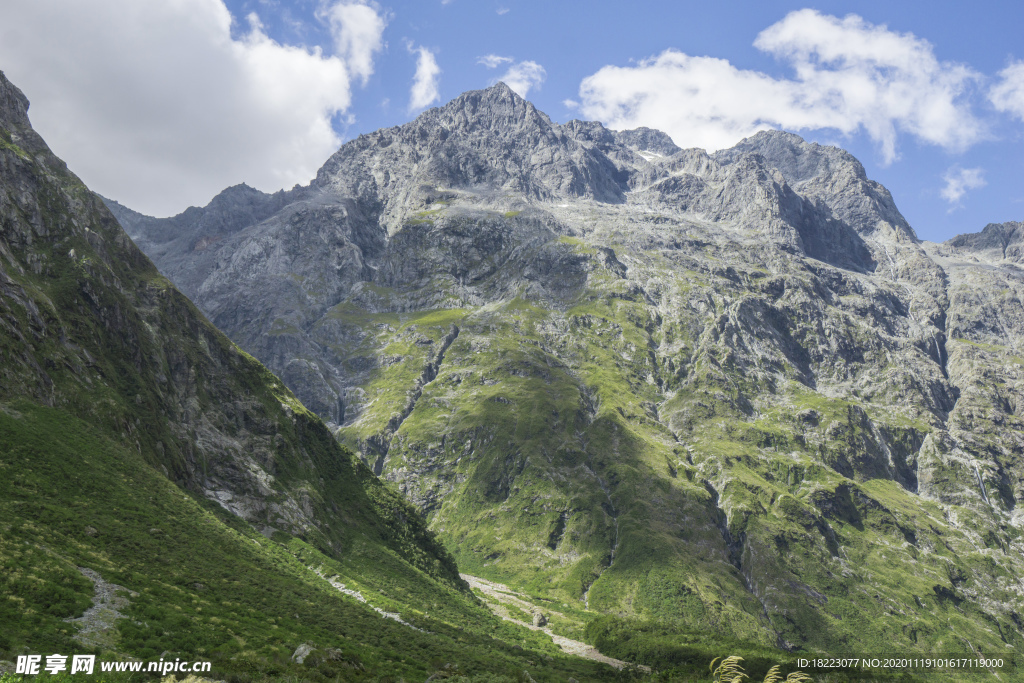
(681, 404)
(164, 497)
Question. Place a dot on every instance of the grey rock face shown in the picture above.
(737, 381)
(490, 139)
(998, 242)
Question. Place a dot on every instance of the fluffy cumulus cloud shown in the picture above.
(493, 61)
(524, 77)
(158, 105)
(424, 91)
(959, 181)
(521, 76)
(850, 76)
(357, 30)
(1007, 94)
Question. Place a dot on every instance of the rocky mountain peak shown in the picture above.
(998, 241)
(797, 159)
(15, 128)
(645, 139)
(13, 104)
(830, 176)
(589, 131)
(491, 119)
(489, 140)
(495, 108)
(492, 148)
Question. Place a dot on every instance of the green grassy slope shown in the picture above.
(207, 585)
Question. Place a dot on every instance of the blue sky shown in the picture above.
(161, 105)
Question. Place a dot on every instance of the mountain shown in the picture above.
(162, 495)
(729, 392)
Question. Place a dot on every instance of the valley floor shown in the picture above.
(499, 598)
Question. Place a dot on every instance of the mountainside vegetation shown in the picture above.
(729, 393)
(163, 495)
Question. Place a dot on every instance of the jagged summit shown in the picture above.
(493, 107)
(830, 174)
(494, 143)
(802, 196)
(16, 129)
(490, 140)
(797, 159)
(645, 139)
(811, 198)
(997, 241)
(492, 149)
(13, 104)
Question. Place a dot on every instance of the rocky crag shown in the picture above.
(730, 391)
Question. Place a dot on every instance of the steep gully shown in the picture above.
(735, 547)
(942, 358)
(340, 587)
(380, 444)
(614, 514)
(590, 406)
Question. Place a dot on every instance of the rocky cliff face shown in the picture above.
(733, 391)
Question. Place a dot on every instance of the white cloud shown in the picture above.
(501, 11)
(493, 61)
(357, 30)
(850, 76)
(156, 105)
(524, 76)
(1007, 95)
(521, 77)
(424, 90)
(959, 181)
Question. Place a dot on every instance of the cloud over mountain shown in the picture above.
(424, 91)
(521, 76)
(850, 75)
(1007, 95)
(143, 97)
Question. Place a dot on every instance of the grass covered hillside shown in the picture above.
(151, 469)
